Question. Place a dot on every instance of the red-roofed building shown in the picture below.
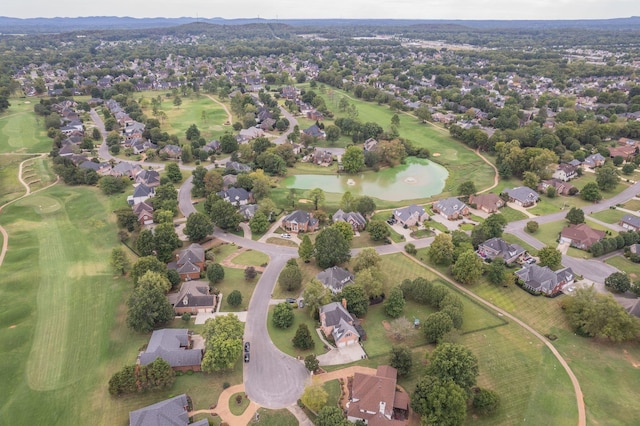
(375, 399)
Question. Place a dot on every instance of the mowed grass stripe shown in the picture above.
(20, 131)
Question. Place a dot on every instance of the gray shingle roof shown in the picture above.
(355, 217)
(450, 206)
(524, 194)
(334, 312)
(406, 212)
(170, 412)
(234, 195)
(335, 278)
(631, 220)
(503, 248)
(543, 279)
(169, 344)
(142, 190)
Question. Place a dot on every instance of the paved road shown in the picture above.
(271, 378)
(292, 123)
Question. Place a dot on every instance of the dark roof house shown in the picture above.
(300, 221)
(544, 280)
(172, 345)
(355, 219)
(451, 208)
(170, 412)
(335, 278)
(522, 195)
(410, 215)
(497, 247)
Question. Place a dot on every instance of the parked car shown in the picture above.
(293, 302)
(247, 345)
(246, 357)
(285, 235)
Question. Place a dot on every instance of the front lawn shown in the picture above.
(512, 239)
(609, 215)
(625, 265)
(234, 280)
(512, 215)
(251, 258)
(282, 337)
(334, 392)
(281, 417)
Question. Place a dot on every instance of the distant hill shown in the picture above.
(57, 25)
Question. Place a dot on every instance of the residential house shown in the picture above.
(151, 178)
(189, 262)
(170, 412)
(376, 400)
(336, 321)
(451, 208)
(124, 168)
(236, 196)
(565, 172)
(192, 297)
(489, 203)
(562, 187)
(581, 236)
(410, 215)
(141, 193)
(523, 196)
(370, 144)
(251, 133)
(355, 219)
(144, 212)
(248, 211)
(322, 158)
(544, 280)
(625, 152)
(315, 115)
(497, 247)
(630, 222)
(237, 167)
(300, 221)
(635, 249)
(228, 181)
(100, 168)
(335, 278)
(315, 132)
(212, 146)
(594, 160)
(172, 151)
(174, 345)
(140, 145)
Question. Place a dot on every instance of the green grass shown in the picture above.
(609, 215)
(459, 161)
(276, 418)
(21, 130)
(548, 232)
(235, 408)
(224, 250)
(512, 215)
(515, 240)
(282, 337)
(334, 392)
(234, 280)
(632, 205)
(11, 188)
(251, 258)
(625, 265)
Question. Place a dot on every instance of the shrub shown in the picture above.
(186, 317)
(410, 248)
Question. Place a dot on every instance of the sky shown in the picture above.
(290, 9)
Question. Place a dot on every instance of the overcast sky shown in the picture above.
(272, 9)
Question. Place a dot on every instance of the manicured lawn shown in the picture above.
(234, 280)
(276, 418)
(609, 215)
(282, 337)
(632, 205)
(223, 250)
(235, 408)
(179, 119)
(251, 258)
(512, 215)
(548, 232)
(334, 392)
(625, 265)
(281, 242)
(20, 129)
(38, 173)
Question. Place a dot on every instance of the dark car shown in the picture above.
(246, 357)
(247, 345)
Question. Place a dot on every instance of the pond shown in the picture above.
(418, 178)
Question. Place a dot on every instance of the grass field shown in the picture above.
(234, 280)
(625, 265)
(512, 215)
(190, 112)
(282, 337)
(276, 418)
(334, 391)
(632, 205)
(609, 215)
(11, 187)
(510, 238)
(21, 131)
(459, 161)
(251, 258)
(62, 331)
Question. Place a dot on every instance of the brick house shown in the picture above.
(300, 221)
(376, 399)
(581, 236)
(489, 203)
(336, 321)
(174, 345)
(451, 208)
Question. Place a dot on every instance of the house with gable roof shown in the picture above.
(170, 412)
(189, 262)
(565, 172)
(630, 222)
(140, 194)
(355, 219)
(523, 196)
(173, 345)
(544, 280)
(172, 151)
(337, 322)
(335, 278)
(562, 187)
(315, 132)
(489, 203)
(594, 160)
(497, 247)
(376, 400)
(451, 208)
(581, 236)
(236, 196)
(300, 221)
(144, 212)
(410, 215)
(150, 178)
(192, 297)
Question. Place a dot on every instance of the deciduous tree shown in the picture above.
(353, 159)
(198, 226)
(441, 249)
(575, 216)
(119, 260)
(618, 282)
(315, 295)
(394, 303)
(148, 307)
(436, 326)
(331, 248)
(223, 337)
(550, 256)
(468, 267)
(314, 397)
(283, 315)
(357, 300)
(456, 363)
(439, 403)
(215, 273)
(378, 230)
(401, 359)
(234, 298)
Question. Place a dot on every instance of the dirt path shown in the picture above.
(582, 416)
(229, 116)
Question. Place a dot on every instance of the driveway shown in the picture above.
(346, 355)
(202, 317)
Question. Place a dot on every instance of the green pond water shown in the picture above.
(418, 178)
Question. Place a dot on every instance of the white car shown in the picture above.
(285, 235)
